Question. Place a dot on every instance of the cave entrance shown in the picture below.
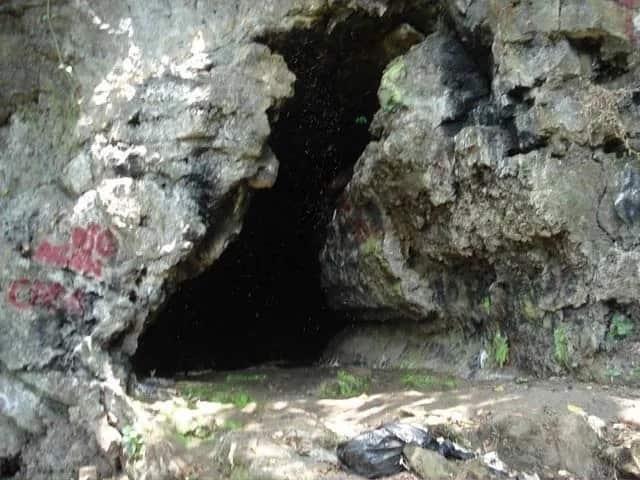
(262, 300)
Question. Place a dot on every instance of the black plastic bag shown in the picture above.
(378, 453)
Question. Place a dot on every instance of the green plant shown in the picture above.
(613, 372)
(371, 246)
(361, 120)
(390, 92)
(214, 393)
(486, 304)
(132, 442)
(500, 349)
(238, 399)
(351, 385)
(621, 327)
(346, 385)
(561, 346)
(421, 381)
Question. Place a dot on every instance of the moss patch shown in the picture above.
(391, 93)
(208, 392)
(345, 385)
(427, 382)
(621, 327)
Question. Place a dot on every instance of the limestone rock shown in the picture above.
(88, 473)
(629, 459)
(499, 185)
(429, 464)
(566, 442)
(13, 437)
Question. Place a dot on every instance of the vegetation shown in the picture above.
(346, 385)
(371, 246)
(561, 346)
(421, 381)
(194, 392)
(486, 304)
(621, 327)
(390, 93)
(500, 349)
(613, 373)
(132, 443)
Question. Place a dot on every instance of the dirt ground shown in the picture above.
(275, 423)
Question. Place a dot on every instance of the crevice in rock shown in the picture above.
(10, 466)
(599, 221)
(523, 141)
(605, 67)
(615, 145)
(262, 300)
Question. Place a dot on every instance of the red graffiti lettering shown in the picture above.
(55, 255)
(106, 244)
(82, 262)
(80, 253)
(80, 238)
(46, 294)
(50, 296)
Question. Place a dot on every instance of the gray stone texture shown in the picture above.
(500, 190)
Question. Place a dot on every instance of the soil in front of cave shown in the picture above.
(286, 423)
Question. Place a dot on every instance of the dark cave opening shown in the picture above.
(262, 301)
(10, 466)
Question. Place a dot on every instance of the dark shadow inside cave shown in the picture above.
(262, 300)
(10, 466)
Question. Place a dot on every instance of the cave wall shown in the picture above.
(268, 280)
(498, 198)
(500, 190)
(121, 173)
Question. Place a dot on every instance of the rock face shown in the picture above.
(501, 190)
(500, 194)
(122, 172)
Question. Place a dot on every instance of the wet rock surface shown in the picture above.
(499, 192)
